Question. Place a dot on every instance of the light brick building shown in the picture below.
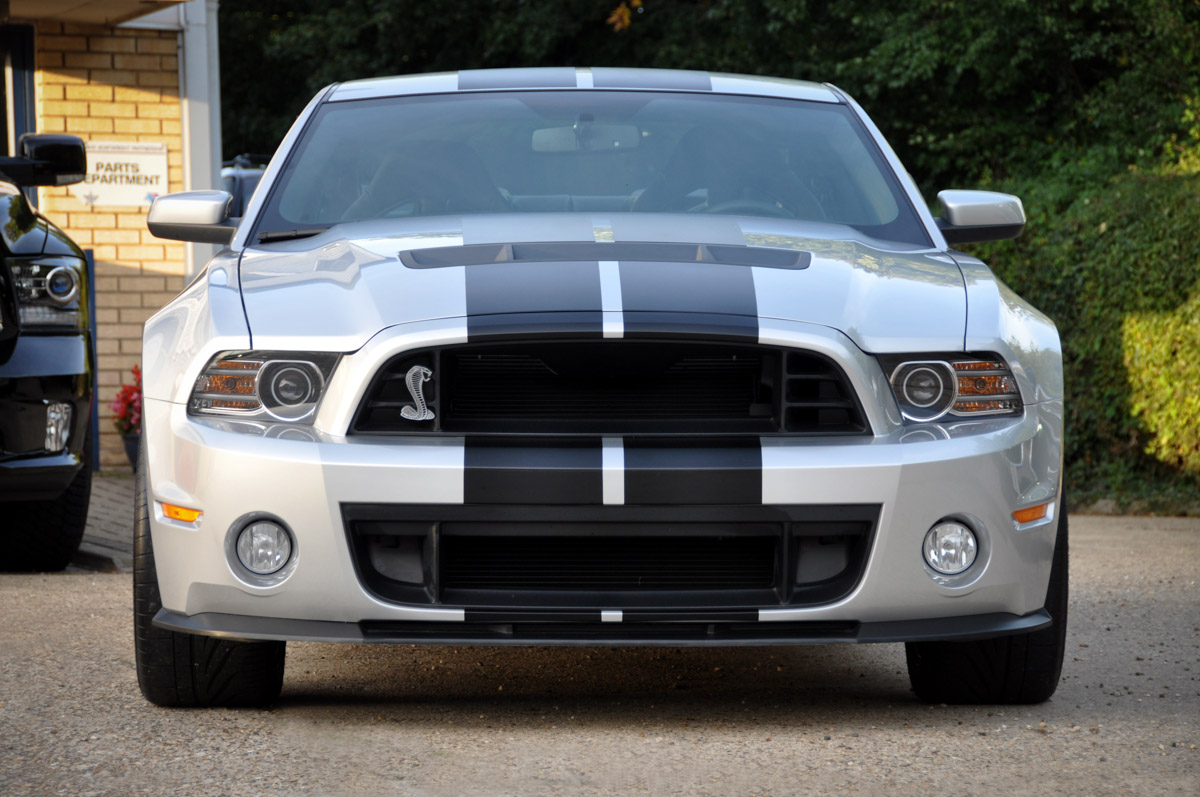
(112, 72)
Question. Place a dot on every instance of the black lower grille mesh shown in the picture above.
(609, 563)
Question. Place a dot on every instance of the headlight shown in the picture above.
(278, 385)
(933, 387)
(49, 291)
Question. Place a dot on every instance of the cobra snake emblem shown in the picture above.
(415, 379)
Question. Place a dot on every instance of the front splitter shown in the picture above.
(545, 629)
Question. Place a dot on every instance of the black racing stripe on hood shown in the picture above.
(535, 326)
(668, 473)
(730, 328)
(707, 298)
(512, 473)
(571, 288)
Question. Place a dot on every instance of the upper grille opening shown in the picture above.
(597, 382)
(616, 388)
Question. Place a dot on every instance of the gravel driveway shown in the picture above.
(403, 720)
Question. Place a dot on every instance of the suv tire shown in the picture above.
(46, 534)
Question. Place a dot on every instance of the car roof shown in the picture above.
(606, 78)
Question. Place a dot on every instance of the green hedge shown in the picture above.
(1117, 266)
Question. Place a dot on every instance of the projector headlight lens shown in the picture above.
(62, 285)
(289, 389)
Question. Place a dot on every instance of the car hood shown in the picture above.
(714, 274)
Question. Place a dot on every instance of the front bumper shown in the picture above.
(916, 476)
(42, 369)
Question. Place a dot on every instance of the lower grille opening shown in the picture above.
(613, 563)
(596, 557)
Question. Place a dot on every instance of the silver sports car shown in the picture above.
(597, 357)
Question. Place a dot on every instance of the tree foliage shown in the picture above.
(962, 89)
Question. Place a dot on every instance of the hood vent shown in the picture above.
(568, 251)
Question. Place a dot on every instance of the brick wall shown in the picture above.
(114, 84)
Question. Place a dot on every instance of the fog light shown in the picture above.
(58, 426)
(950, 548)
(264, 547)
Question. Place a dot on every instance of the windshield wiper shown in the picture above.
(289, 235)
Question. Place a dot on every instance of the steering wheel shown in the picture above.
(750, 207)
(396, 209)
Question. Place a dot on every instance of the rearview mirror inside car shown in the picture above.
(587, 137)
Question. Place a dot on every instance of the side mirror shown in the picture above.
(197, 216)
(976, 216)
(46, 159)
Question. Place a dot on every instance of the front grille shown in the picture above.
(587, 384)
(615, 388)
(542, 558)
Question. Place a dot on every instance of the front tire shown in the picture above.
(1018, 669)
(45, 535)
(188, 670)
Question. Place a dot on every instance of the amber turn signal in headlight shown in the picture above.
(228, 384)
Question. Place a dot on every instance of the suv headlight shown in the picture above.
(50, 291)
(933, 387)
(269, 385)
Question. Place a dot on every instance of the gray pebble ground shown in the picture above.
(402, 720)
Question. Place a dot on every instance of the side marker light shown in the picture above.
(181, 513)
(1031, 514)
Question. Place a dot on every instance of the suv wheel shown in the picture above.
(1019, 669)
(44, 535)
(187, 670)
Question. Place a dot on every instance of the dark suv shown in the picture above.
(46, 364)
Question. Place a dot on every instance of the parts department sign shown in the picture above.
(124, 173)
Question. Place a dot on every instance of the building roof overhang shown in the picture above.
(99, 12)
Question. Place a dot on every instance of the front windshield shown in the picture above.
(589, 151)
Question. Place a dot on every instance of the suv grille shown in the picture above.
(616, 388)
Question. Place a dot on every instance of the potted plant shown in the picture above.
(127, 416)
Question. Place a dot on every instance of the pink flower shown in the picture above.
(127, 406)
